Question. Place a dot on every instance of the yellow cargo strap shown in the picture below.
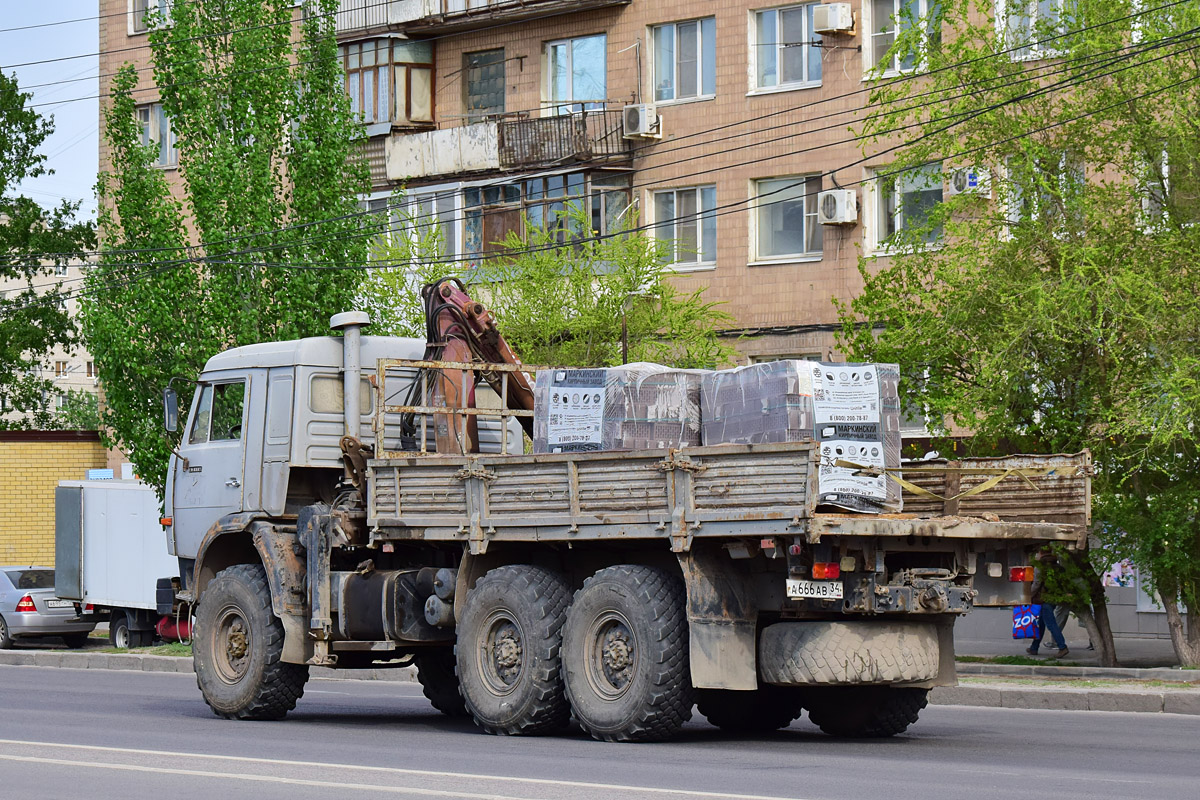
(1024, 473)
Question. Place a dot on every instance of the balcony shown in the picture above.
(441, 16)
(589, 137)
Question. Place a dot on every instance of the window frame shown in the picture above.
(757, 48)
(152, 133)
(706, 46)
(398, 65)
(807, 256)
(138, 9)
(877, 203)
(479, 114)
(1028, 50)
(209, 390)
(701, 218)
(872, 29)
(555, 107)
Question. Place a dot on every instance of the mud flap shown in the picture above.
(722, 619)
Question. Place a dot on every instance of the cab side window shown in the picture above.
(219, 413)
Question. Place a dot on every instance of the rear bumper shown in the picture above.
(40, 625)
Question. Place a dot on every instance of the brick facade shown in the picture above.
(31, 465)
(731, 139)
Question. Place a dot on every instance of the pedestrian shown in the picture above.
(1047, 620)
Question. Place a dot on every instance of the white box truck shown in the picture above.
(111, 554)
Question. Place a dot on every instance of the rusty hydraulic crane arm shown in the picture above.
(458, 328)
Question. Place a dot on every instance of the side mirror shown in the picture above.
(170, 410)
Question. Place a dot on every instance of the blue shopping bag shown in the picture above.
(1025, 621)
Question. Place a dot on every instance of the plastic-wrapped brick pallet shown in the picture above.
(852, 409)
(634, 407)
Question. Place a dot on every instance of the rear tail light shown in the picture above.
(26, 604)
(89, 607)
(826, 570)
(1019, 574)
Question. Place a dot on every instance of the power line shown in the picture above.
(729, 208)
(1027, 76)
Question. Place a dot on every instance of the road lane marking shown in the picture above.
(385, 770)
(199, 773)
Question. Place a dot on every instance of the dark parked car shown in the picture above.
(29, 609)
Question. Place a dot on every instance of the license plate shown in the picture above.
(60, 604)
(820, 589)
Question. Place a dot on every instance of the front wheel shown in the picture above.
(625, 655)
(864, 711)
(6, 641)
(237, 649)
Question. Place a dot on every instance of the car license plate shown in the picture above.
(60, 604)
(819, 589)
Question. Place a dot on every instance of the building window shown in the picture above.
(60, 270)
(60, 369)
(905, 201)
(685, 59)
(687, 225)
(390, 81)
(484, 84)
(561, 204)
(786, 52)
(1173, 186)
(430, 220)
(890, 18)
(157, 133)
(1046, 190)
(577, 73)
(91, 369)
(141, 9)
(786, 218)
(1028, 22)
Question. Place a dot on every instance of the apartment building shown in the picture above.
(73, 370)
(722, 125)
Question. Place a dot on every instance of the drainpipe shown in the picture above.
(351, 323)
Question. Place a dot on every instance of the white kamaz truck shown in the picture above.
(620, 589)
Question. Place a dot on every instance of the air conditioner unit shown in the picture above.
(641, 122)
(973, 180)
(837, 207)
(833, 18)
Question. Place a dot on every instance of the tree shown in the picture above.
(1057, 311)
(33, 240)
(267, 240)
(562, 299)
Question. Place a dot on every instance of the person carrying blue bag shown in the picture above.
(1047, 620)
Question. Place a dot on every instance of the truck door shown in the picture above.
(209, 473)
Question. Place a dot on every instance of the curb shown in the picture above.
(178, 664)
(1172, 674)
(1067, 699)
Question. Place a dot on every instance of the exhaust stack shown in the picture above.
(351, 324)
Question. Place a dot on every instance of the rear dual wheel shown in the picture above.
(864, 711)
(615, 656)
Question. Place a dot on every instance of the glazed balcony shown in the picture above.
(442, 16)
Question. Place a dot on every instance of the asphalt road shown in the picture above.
(98, 734)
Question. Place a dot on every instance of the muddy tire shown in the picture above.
(864, 711)
(847, 653)
(509, 643)
(237, 648)
(766, 709)
(625, 655)
(435, 671)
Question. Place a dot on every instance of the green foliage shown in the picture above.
(1059, 313)
(561, 300)
(80, 411)
(270, 181)
(32, 241)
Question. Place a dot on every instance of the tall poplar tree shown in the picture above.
(261, 236)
